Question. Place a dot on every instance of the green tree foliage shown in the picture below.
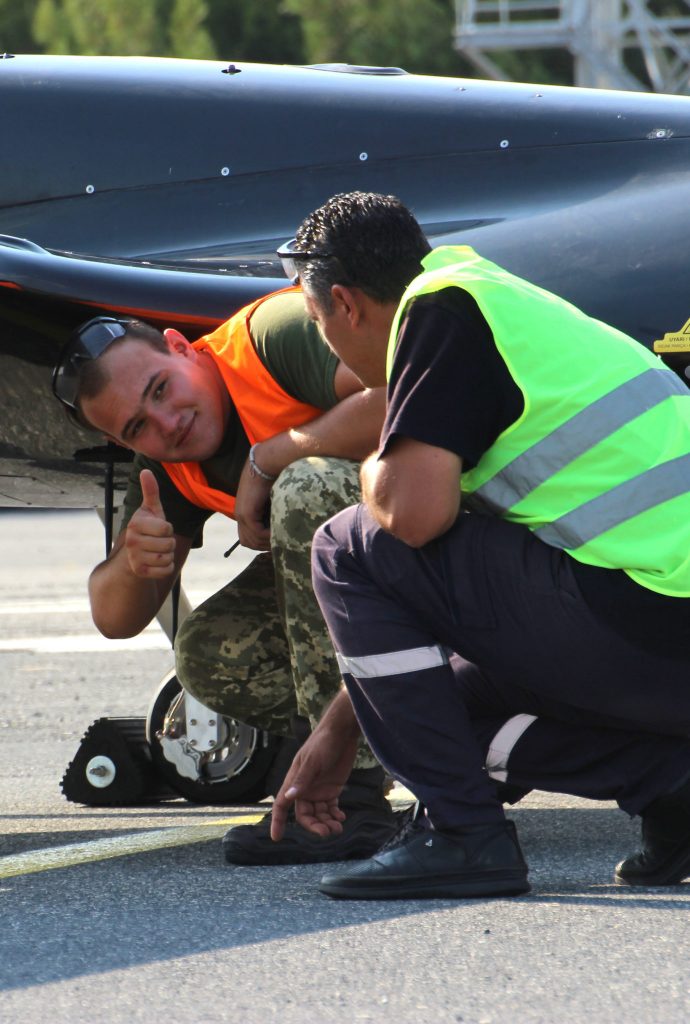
(554, 67)
(187, 33)
(255, 30)
(15, 26)
(668, 8)
(123, 27)
(414, 34)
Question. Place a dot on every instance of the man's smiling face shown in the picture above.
(170, 407)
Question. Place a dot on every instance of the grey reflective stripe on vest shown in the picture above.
(627, 500)
(415, 659)
(576, 436)
(502, 745)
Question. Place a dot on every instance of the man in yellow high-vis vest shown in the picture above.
(511, 600)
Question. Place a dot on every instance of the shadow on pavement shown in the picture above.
(153, 907)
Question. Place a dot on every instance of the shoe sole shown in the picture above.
(513, 884)
(268, 858)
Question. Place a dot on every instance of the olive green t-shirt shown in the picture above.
(294, 352)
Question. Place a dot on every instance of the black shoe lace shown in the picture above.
(411, 821)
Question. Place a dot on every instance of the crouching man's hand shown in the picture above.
(252, 504)
(318, 774)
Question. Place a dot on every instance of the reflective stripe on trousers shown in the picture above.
(370, 666)
(418, 659)
(503, 743)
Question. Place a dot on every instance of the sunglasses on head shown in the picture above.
(87, 342)
(290, 255)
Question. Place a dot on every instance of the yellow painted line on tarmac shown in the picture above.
(117, 846)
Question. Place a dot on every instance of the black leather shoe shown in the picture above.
(365, 829)
(665, 855)
(478, 860)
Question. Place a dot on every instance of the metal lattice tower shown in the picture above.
(598, 33)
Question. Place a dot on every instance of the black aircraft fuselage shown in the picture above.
(161, 188)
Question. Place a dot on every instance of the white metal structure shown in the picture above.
(598, 33)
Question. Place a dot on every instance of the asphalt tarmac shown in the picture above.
(114, 915)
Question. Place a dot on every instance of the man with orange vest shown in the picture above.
(260, 416)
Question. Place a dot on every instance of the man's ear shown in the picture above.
(347, 301)
(176, 341)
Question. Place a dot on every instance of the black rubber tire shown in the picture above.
(246, 782)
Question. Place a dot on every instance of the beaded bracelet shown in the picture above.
(256, 470)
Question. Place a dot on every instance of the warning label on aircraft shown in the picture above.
(678, 341)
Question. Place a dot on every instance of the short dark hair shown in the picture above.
(92, 375)
(374, 243)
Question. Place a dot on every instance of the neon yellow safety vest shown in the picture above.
(598, 463)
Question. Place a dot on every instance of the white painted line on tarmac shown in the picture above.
(117, 846)
(69, 605)
(40, 606)
(85, 643)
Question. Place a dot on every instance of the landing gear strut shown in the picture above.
(227, 764)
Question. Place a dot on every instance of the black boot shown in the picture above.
(289, 745)
(665, 855)
(369, 823)
(424, 863)
(281, 764)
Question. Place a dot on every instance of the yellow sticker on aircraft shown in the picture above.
(678, 341)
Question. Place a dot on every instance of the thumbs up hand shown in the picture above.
(149, 540)
(151, 499)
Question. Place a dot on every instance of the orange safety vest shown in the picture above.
(262, 405)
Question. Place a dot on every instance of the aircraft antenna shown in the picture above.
(615, 44)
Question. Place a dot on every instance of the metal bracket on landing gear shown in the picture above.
(190, 731)
(185, 760)
(205, 729)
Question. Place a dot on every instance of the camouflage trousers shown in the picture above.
(258, 650)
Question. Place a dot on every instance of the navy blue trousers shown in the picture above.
(477, 650)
